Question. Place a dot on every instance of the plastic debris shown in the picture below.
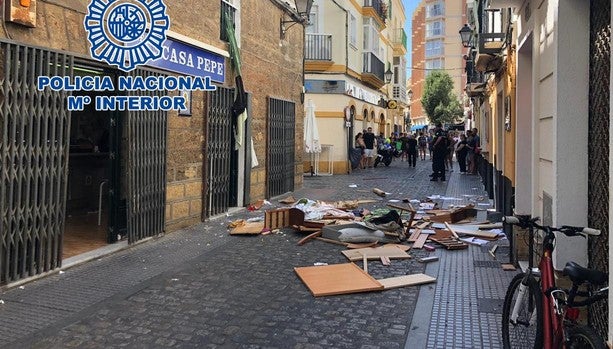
(320, 263)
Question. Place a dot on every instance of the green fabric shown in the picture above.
(234, 51)
(236, 64)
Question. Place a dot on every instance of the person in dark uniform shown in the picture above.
(411, 149)
(439, 150)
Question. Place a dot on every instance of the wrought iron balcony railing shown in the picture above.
(318, 47)
(374, 66)
(379, 7)
(400, 37)
(491, 43)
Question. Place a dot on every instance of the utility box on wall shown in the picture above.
(21, 12)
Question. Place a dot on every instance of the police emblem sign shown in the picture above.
(126, 34)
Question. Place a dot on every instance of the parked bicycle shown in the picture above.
(539, 314)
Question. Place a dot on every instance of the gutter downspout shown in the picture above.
(346, 36)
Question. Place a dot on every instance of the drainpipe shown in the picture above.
(346, 36)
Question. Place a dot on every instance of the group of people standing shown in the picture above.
(444, 144)
(440, 144)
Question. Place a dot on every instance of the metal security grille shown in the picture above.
(146, 189)
(218, 151)
(34, 143)
(600, 59)
(281, 146)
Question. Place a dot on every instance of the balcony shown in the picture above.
(491, 43)
(399, 40)
(318, 47)
(318, 52)
(379, 8)
(373, 71)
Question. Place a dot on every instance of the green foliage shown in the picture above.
(439, 101)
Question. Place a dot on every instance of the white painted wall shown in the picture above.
(611, 194)
(553, 117)
(523, 144)
(571, 127)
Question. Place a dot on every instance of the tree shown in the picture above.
(439, 101)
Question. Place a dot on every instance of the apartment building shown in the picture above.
(436, 45)
(355, 73)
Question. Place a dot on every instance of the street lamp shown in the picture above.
(303, 7)
(466, 34)
(388, 75)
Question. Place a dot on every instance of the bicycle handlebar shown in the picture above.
(527, 222)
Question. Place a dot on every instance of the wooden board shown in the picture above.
(402, 247)
(376, 253)
(364, 245)
(254, 228)
(508, 267)
(421, 240)
(414, 236)
(406, 280)
(335, 279)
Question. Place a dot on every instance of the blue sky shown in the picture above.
(409, 7)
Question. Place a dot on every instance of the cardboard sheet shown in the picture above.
(392, 252)
(335, 279)
(254, 228)
(406, 280)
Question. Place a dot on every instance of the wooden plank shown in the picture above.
(364, 245)
(365, 263)
(415, 235)
(508, 267)
(376, 253)
(331, 241)
(337, 279)
(428, 259)
(455, 235)
(421, 241)
(402, 247)
(309, 237)
(253, 228)
(406, 280)
(385, 261)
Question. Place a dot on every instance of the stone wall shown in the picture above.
(272, 67)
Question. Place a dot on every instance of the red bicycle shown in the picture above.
(538, 314)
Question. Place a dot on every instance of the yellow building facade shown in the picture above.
(349, 47)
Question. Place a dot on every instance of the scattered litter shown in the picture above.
(255, 219)
(237, 223)
(427, 205)
(379, 192)
(394, 200)
(427, 259)
(493, 251)
(319, 263)
(61, 272)
(482, 204)
(288, 200)
(253, 228)
(1, 301)
(429, 248)
(434, 197)
(174, 279)
(353, 186)
(474, 241)
(508, 267)
(21, 287)
(414, 201)
(428, 231)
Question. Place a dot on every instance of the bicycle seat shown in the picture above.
(579, 274)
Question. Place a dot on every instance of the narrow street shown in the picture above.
(202, 288)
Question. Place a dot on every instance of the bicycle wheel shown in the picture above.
(526, 330)
(580, 337)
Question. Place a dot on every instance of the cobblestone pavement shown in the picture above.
(201, 287)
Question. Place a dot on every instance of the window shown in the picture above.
(434, 10)
(313, 25)
(353, 30)
(433, 64)
(371, 36)
(435, 28)
(232, 8)
(434, 48)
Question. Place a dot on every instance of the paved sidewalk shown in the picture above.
(200, 287)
